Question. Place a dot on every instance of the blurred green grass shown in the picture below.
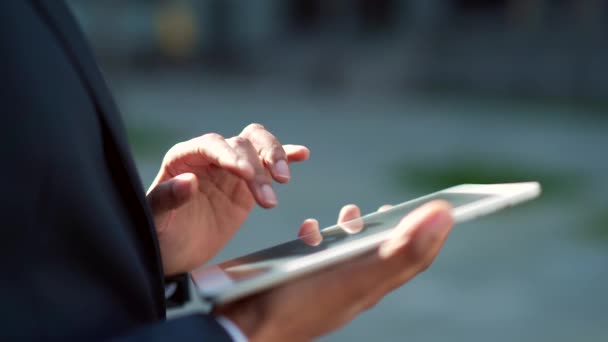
(596, 230)
(559, 186)
(439, 175)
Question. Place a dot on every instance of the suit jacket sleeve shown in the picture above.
(78, 250)
(190, 328)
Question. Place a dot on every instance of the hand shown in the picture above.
(206, 188)
(317, 304)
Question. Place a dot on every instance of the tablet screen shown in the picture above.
(333, 237)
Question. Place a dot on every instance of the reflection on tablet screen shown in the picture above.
(332, 237)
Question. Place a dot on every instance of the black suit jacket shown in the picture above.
(78, 252)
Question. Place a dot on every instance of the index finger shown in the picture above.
(270, 151)
(213, 149)
(296, 153)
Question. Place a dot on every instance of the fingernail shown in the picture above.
(281, 169)
(268, 194)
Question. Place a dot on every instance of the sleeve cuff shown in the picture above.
(235, 333)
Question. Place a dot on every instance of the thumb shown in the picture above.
(172, 193)
(421, 233)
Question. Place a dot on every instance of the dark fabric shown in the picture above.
(181, 290)
(191, 328)
(78, 253)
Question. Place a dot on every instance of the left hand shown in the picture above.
(206, 188)
(317, 303)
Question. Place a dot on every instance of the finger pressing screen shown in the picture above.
(349, 219)
(309, 232)
(384, 207)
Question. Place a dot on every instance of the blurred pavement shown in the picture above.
(514, 276)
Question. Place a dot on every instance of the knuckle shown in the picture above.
(241, 141)
(176, 148)
(274, 152)
(253, 127)
(175, 151)
(243, 147)
(211, 136)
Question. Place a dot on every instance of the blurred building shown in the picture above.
(521, 47)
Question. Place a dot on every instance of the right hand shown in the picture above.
(207, 186)
(319, 303)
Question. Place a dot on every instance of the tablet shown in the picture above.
(246, 275)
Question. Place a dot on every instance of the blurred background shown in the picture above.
(397, 98)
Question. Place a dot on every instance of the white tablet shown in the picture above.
(237, 278)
